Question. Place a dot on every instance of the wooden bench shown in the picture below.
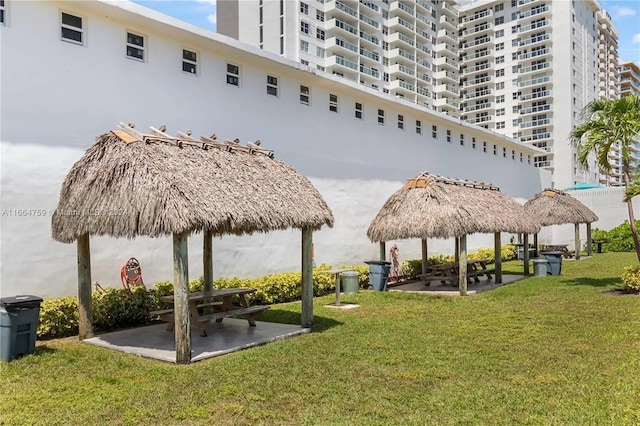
(161, 312)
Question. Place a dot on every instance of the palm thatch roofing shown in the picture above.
(159, 185)
(556, 207)
(433, 206)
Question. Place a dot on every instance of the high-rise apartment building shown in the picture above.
(629, 78)
(523, 68)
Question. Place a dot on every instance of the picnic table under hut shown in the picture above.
(556, 207)
(434, 206)
(178, 186)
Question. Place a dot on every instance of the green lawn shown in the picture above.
(543, 351)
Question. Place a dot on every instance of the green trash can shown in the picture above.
(350, 282)
(19, 317)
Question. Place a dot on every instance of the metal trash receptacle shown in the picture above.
(554, 262)
(350, 282)
(540, 267)
(19, 317)
(378, 274)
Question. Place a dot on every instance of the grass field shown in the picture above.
(542, 351)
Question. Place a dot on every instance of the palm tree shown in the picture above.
(603, 123)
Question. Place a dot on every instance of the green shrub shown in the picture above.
(118, 308)
(631, 279)
(58, 318)
(619, 238)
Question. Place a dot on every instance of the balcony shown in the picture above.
(535, 12)
(533, 26)
(443, 62)
(481, 119)
(478, 42)
(336, 44)
(448, 90)
(446, 103)
(479, 80)
(535, 95)
(424, 63)
(535, 137)
(485, 14)
(423, 91)
(447, 49)
(398, 24)
(477, 68)
(401, 39)
(446, 77)
(478, 94)
(373, 56)
(534, 40)
(484, 53)
(402, 85)
(400, 53)
(532, 110)
(538, 53)
(545, 164)
(342, 28)
(535, 67)
(365, 22)
(370, 71)
(448, 36)
(534, 81)
(477, 30)
(339, 9)
(401, 9)
(535, 123)
(424, 77)
(346, 63)
(478, 107)
(423, 48)
(370, 5)
(368, 38)
(447, 22)
(447, 8)
(401, 69)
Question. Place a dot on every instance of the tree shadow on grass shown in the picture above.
(288, 317)
(595, 282)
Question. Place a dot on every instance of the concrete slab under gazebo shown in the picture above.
(555, 207)
(434, 206)
(165, 185)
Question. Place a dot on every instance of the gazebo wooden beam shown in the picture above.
(589, 241)
(525, 253)
(462, 264)
(383, 251)
(497, 248)
(577, 241)
(181, 298)
(424, 255)
(307, 277)
(207, 260)
(85, 304)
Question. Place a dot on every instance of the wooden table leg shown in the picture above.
(338, 289)
(245, 304)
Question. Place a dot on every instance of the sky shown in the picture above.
(625, 15)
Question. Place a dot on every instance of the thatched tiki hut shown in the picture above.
(555, 207)
(130, 184)
(431, 206)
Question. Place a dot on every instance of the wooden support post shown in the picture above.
(85, 305)
(383, 251)
(338, 289)
(424, 256)
(456, 253)
(535, 245)
(525, 254)
(207, 260)
(182, 325)
(307, 278)
(577, 229)
(589, 242)
(497, 248)
(462, 265)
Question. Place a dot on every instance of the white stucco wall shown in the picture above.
(57, 99)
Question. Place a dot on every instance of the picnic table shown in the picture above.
(564, 248)
(449, 272)
(205, 306)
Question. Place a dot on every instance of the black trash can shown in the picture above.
(19, 317)
(378, 274)
(554, 262)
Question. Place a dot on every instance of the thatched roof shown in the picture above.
(160, 186)
(555, 207)
(430, 206)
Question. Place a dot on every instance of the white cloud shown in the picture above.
(636, 38)
(211, 2)
(622, 11)
(213, 18)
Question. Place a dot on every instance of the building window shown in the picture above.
(500, 111)
(461, 139)
(521, 157)
(473, 143)
(233, 75)
(135, 46)
(484, 147)
(320, 52)
(319, 34)
(320, 15)
(499, 59)
(499, 99)
(499, 33)
(504, 152)
(513, 154)
(495, 149)
(304, 8)
(434, 132)
(3, 13)
(272, 85)
(304, 62)
(449, 136)
(189, 61)
(499, 20)
(500, 46)
(500, 85)
(304, 95)
(304, 46)
(70, 26)
(304, 27)
(359, 110)
(500, 73)
(500, 125)
(418, 127)
(498, 7)
(400, 121)
(381, 117)
(333, 103)
(528, 159)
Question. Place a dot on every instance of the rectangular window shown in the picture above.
(495, 149)
(461, 139)
(500, 86)
(304, 27)
(304, 46)
(499, 20)
(449, 136)
(359, 110)
(319, 34)
(333, 103)
(484, 147)
(320, 15)
(500, 73)
(499, 33)
(500, 46)
(304, 95)
(304, 8)
(381, 117)
(320, 52)
(434, 132)
(498, 7)
(504, 152)
(418, 127)
(473, 143)
(272, 85)
(3, 13)
(528, 159)
(233, 75)
(400, 121)
(500, 125)
(499, 99)
(513, 154)
(189, 61)
(499, 59)
(500, 111)
(70, 27)
(135, 46)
